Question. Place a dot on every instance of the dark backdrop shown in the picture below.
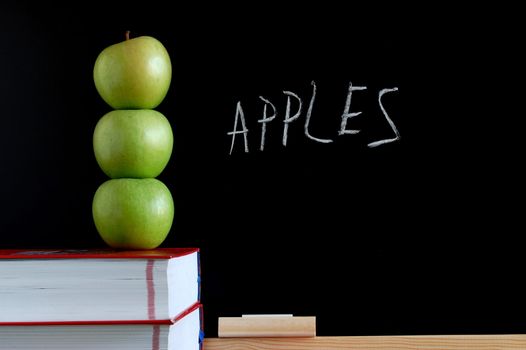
(419, 236)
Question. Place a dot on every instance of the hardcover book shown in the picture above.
(97, 285)
(183, 333)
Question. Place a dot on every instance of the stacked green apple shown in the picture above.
(133, 144)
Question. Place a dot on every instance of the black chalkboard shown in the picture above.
(420, 235)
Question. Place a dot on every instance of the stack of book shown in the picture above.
(100, 299)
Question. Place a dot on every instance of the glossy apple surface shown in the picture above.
(133, 213)
(133, 143)
(133, 74)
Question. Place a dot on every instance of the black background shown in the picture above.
(420, 236)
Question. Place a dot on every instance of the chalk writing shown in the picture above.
(346, 115)
(264, 122)
(244, 130)
(288, 118)
(309, 113)
(393, 126)
(346, 112)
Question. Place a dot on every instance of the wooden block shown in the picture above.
(424, 342)
(267, 326)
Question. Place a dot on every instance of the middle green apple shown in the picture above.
(133, 143)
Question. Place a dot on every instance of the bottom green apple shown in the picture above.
(133, 213)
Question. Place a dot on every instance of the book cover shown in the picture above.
(159, 253)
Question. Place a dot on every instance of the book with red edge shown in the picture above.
(97, 285)
(182, 333)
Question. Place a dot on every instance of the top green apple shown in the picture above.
(133, 74)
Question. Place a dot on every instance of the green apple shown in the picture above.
(133, 213)
(133, 74)
(135, 143)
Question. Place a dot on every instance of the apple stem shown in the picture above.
(127, 35)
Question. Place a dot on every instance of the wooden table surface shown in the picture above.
(435, 342)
